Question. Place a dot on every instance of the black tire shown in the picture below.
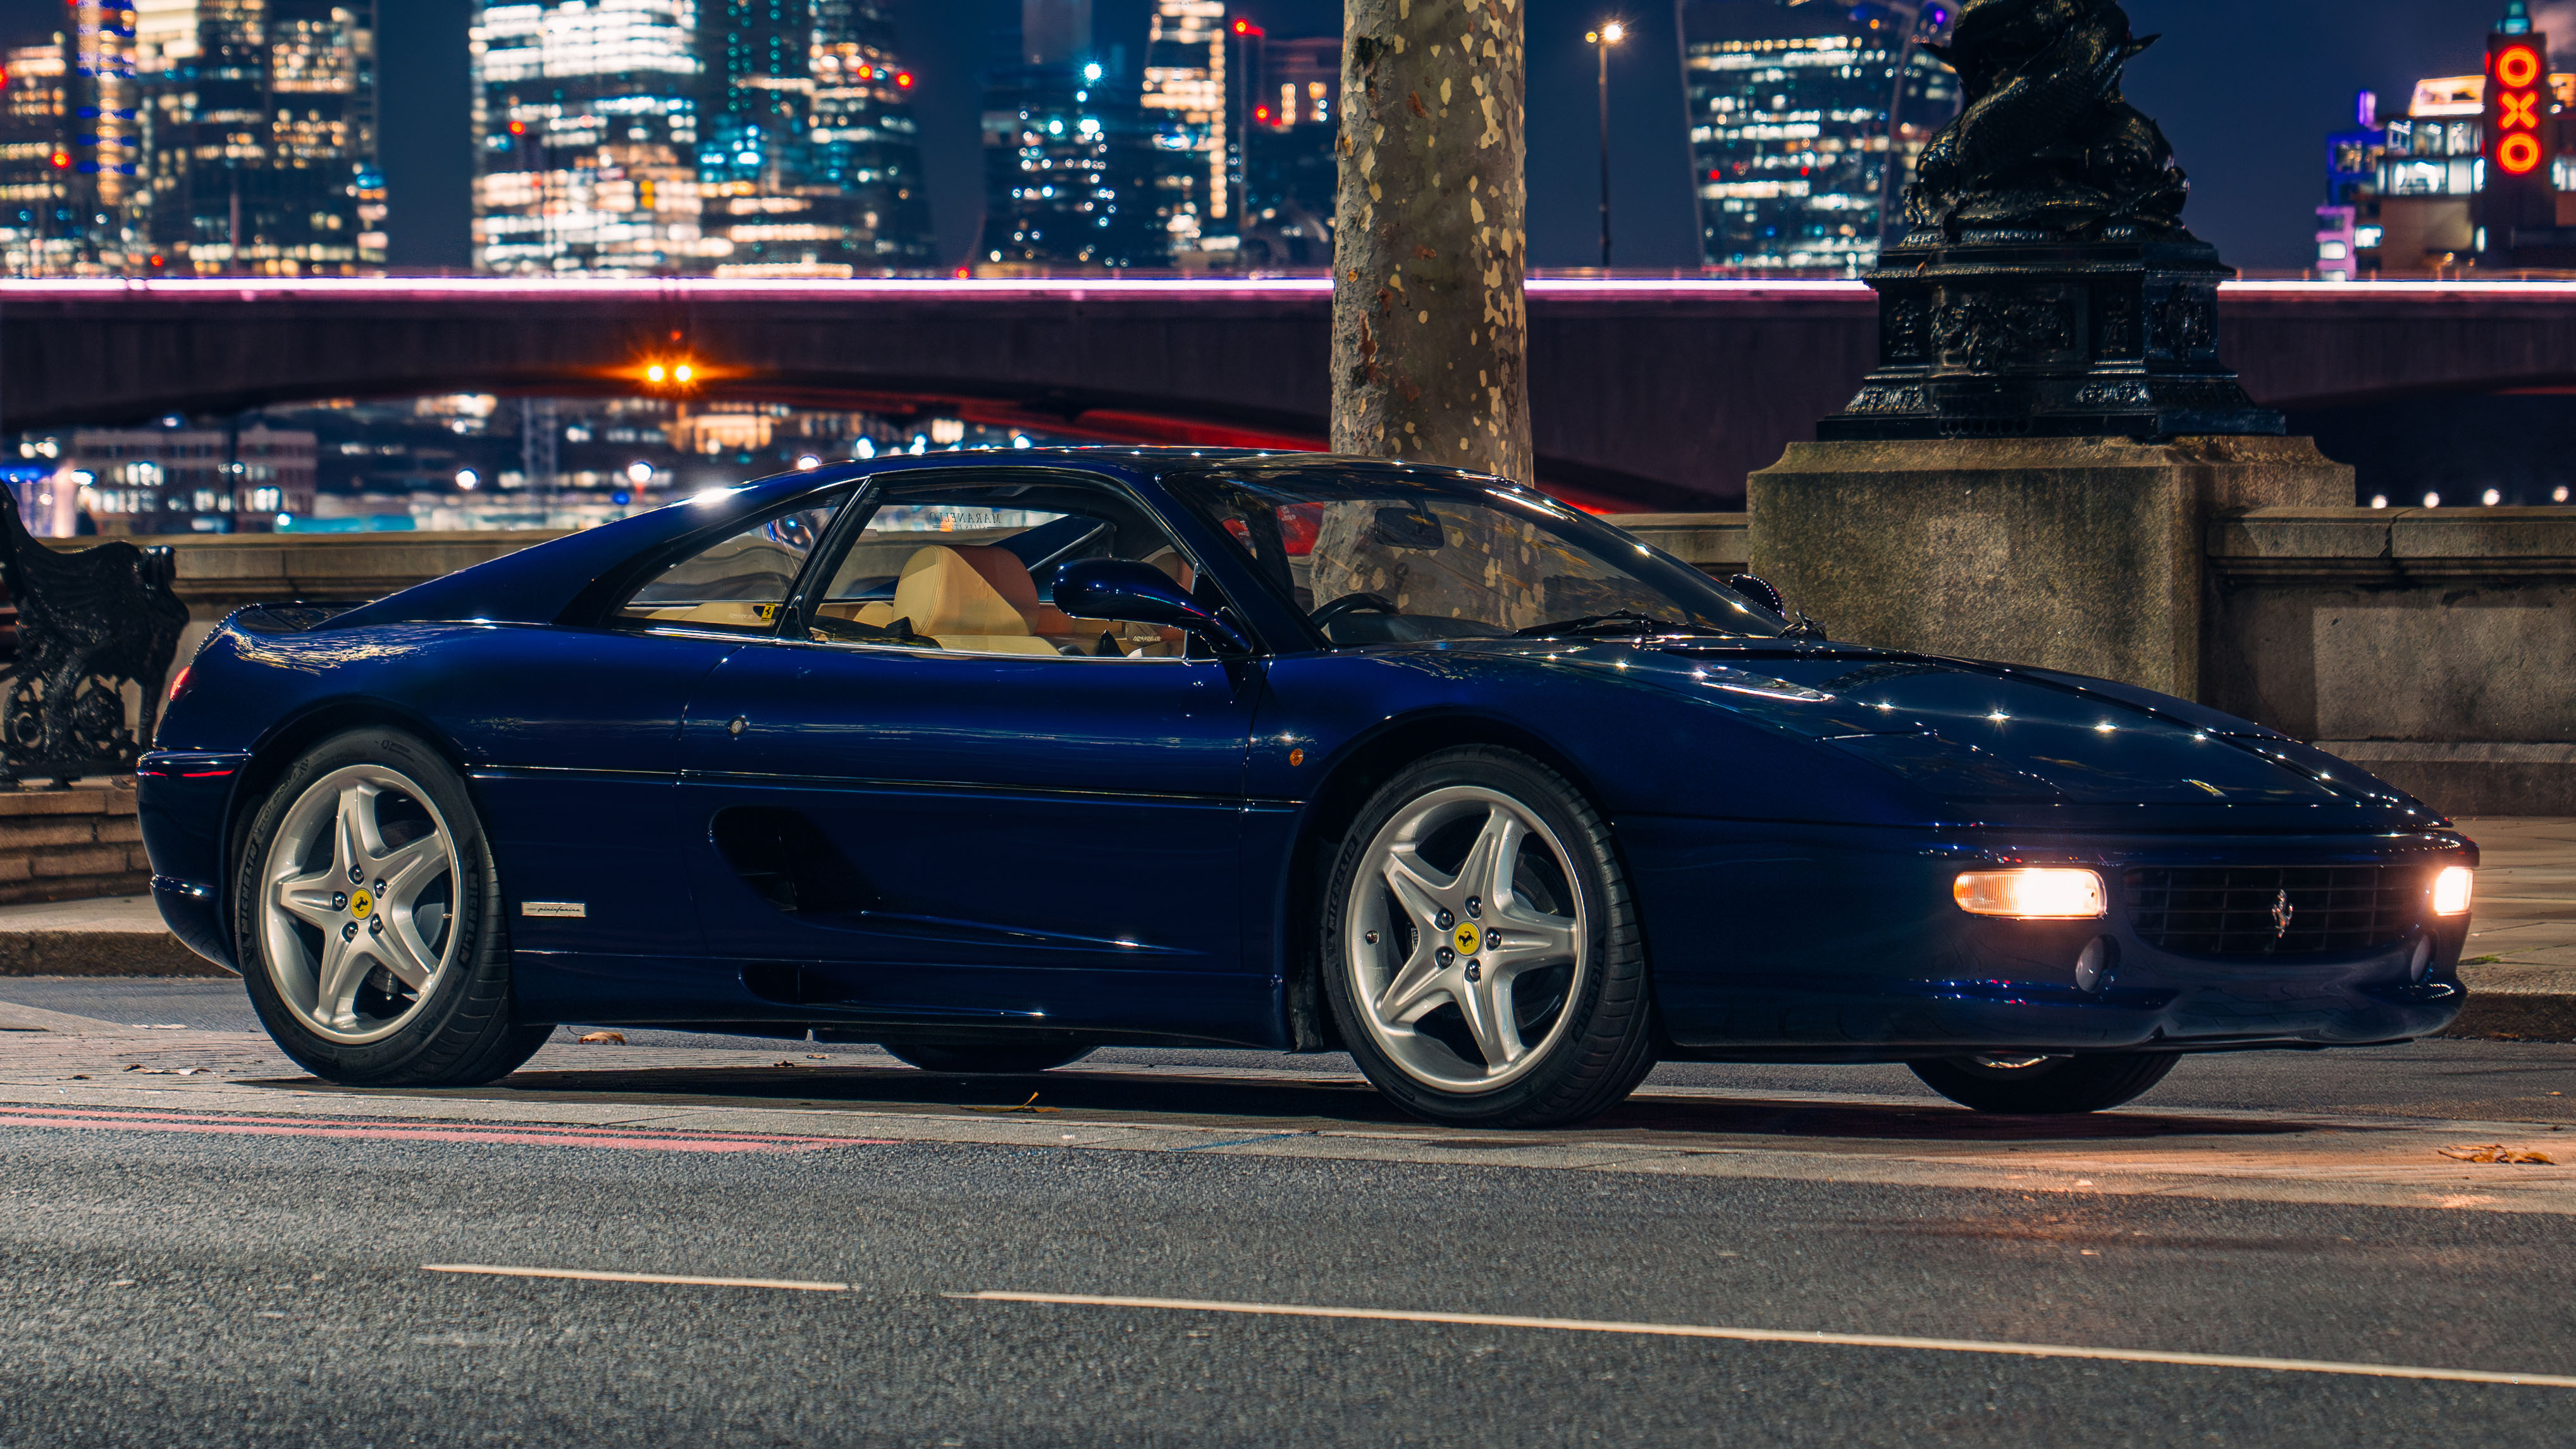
(459, 1032)
(2052, 1087)
(996, 1060)
(1600, 1038)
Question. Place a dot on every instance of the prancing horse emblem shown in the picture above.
(2282, 911)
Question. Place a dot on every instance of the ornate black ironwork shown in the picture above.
(89, 624)
(2047, 286)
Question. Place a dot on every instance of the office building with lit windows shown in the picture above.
(1068, 154)
(724, 137)
(1806, 117)
(2479, 172)
(258, 125)
(1291, 169)
(169, 479)
(71, 160)
(38, 232)
(1185, 105)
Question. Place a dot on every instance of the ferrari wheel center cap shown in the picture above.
(1466, 938)
(361, 904)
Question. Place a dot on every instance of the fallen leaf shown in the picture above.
(602, 1038)
(1028, 1106)
(2497, 1152)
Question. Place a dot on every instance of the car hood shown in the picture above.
(2017, 743)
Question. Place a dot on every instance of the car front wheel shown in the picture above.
(1481, 950)
(368, 920)
(2046, 1086)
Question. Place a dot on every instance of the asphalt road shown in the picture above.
(219, 1276)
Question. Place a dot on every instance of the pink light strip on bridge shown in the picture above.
(686, 289)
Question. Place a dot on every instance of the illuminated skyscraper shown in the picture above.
(259, 133)
(1068, 159)
(1185, 104)
(737, 137)
(1291, 171)
(1790, 106)
(38, 237)
(586, 138)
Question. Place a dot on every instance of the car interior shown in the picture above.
(967, 567)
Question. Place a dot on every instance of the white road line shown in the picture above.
(1774, 1335)
(591, 1276)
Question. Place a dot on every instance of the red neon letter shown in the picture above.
(2518, 67)
(2520, 153)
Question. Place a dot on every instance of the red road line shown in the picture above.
(213, 1124)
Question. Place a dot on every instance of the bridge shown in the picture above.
(1648, 394)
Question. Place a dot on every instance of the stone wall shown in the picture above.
(71, 845)
(2435, 648)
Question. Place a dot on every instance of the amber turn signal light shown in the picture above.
(2032, 894)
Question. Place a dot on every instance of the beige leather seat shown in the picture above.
(950, 601)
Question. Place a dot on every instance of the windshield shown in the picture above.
(1375, 560)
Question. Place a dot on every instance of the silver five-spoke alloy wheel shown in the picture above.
(357, 903)
(1466, 939)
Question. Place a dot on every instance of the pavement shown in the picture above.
(689, 1239)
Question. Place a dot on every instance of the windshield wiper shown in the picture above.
(1617, 621)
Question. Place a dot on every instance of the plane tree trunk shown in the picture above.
(1430, 327)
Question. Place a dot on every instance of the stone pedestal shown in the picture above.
(2081, 554)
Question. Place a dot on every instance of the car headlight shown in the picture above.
(2451, 890)
(2033, 893)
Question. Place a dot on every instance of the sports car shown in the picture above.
(997, 758)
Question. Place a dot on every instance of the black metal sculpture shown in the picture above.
(89, 624)
(2046, 285)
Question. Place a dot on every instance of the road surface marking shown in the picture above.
(1776, 1335)
(589, 1276)
(516, 1135)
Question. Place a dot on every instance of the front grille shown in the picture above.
(2235, 910)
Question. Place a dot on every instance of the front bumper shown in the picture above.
(1843, 944)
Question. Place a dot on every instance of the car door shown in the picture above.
(969, 818)
(583, 755)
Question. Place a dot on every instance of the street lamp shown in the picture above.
(1610, 34)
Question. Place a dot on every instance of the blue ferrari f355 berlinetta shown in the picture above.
(997, 758)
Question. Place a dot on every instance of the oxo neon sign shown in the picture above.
(2516, 73)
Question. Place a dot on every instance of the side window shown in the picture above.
(737, 582)
(971, 567)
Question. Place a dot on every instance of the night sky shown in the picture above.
(2246, 89)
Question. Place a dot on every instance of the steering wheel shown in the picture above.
(1352, 604)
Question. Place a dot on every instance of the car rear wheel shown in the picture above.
(1481, 950)
(368, 922)
(2046, 1086)
(988, 1060)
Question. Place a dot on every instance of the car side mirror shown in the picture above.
(1761, 592)
(1129, 592)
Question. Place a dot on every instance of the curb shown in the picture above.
(101, 953)
(2498, 1015)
